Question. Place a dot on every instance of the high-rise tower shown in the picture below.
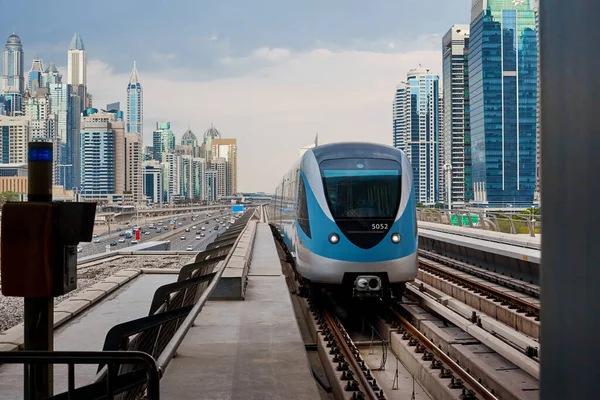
(538, 121)
(135, 99)
(416, 130)
(503, 55)
(77, 68)
(51, 76)
(457, 135)
(13, 76)
(35, 76)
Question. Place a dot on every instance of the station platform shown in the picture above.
(245, 349)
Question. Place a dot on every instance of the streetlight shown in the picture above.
(448, 170)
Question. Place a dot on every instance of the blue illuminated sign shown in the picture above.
(40, 154)
(237, 209)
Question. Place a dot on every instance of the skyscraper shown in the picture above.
(206, 148)
(51, 75)
(77, 69)
(153, 181)
(503, 95)
(457, 136)
(416, 130)
(60, 98)
(398, 122)
(35, 76)
(135, 98)
(102, 154)
(189, 139)
(224, 153)
(13, 76)
(163, 140)
(538, 120)
(38, 108)
(14, 136)
(133, 166)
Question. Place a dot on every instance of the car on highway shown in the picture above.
(95, 236)
(189, 248)
(207, 222)
(114, 243)
(183, 238)
(79, 249)
(198, 237)
(216, 227)
(96, 240)
(194, 227)
(203, 228)
(147, 233)
(187, 229)
(121, 240)
(134, 242)
(202, 234)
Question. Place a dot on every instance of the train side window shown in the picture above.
(303, 209)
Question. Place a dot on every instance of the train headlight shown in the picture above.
(334, 238)
(396, 238)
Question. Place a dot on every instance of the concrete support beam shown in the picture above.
(570, 78)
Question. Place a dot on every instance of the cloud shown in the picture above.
(162, 58)
(277, 107)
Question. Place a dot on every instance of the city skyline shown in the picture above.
(307, 90)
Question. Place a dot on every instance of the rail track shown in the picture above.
(449, 369)
(354, 371)
(527, 288)
(522, 305)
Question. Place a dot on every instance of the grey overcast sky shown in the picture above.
(271, 73)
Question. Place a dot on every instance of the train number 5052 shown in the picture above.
(379, 226)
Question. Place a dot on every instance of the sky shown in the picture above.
(271, 73)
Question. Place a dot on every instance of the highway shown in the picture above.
(104, 239)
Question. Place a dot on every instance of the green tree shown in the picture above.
(8, 196)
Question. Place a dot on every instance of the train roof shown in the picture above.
(356, 150)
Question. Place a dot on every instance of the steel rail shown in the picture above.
(443, 357)
(507, 298)
(511, 283)
(339, 337)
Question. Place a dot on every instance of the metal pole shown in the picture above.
(570, 186)
(38, 313)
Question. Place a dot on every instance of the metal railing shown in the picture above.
(112, 387)
(512, 223)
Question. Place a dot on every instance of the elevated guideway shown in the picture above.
(242, 348)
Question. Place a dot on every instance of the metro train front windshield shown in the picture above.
(362, 188)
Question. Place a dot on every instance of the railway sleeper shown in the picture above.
(509, 315)
(504, 379)
(422, 365)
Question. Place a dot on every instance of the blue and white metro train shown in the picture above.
(347, 213)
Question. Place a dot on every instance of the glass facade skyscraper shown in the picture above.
(503, 94)
(35, 76)
(13, 77)
(98, 158)
(416, 130)
(457, 129)
(163, 140)
(135, 98)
